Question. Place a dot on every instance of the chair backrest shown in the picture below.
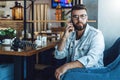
(112, 53)
(40, 16)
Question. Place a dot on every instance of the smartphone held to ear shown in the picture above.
(70, 30)
(70, 26)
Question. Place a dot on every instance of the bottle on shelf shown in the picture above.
(17, 11)
(58, 12)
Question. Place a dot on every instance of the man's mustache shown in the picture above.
(79, 23)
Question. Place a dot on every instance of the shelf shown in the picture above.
(54, 21)
(9, 20)
(5, 20)
(14, 0)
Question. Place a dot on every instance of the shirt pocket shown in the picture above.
(84, 49)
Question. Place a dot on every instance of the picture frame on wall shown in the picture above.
(2, 3)
(63, 3)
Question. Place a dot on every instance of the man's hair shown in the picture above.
(79, 7)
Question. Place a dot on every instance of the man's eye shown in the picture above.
(84, 15)
(75, 16)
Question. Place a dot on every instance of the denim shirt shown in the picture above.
(88, 51)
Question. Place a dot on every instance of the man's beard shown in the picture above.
(80, 27)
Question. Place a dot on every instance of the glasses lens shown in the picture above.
(83, 16)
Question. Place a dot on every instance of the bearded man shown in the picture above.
(81, 44)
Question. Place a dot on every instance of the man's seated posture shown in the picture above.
(81, 44)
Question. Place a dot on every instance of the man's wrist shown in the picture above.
(64, 38)
(67, 66)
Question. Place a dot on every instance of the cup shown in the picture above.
(38, 43)
(7, 41)
(44, 40)
(39, 37)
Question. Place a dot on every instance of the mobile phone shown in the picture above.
(71, 29)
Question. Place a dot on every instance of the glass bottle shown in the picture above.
(58, 12)
(17, 11)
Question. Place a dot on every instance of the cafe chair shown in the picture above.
(110, 71)
(6, 67)
(7, 71)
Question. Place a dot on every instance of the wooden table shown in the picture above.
(24, 60)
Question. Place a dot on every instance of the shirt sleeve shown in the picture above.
(64, 53)
(60, 54)
(95, 53)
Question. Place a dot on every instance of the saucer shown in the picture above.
(6, 43)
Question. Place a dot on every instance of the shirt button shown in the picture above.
(82, 49)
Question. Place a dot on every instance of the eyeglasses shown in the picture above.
(83, 16)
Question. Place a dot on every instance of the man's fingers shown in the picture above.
(57, 75)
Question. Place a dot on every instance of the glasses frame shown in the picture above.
(77, 17)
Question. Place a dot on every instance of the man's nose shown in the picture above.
(79, 19)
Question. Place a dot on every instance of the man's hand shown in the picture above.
(68, 30)
(61, 70)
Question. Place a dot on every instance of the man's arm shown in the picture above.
(61, 70)
(62, 42)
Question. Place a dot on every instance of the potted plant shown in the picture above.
(64, 17)
(8, 33)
